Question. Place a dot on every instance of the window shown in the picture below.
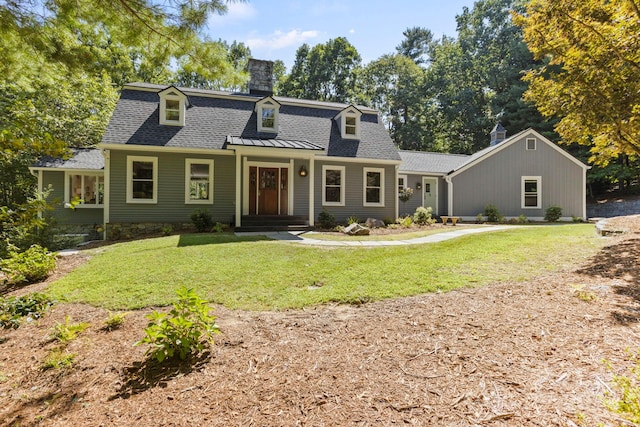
(86, 190)
(402, 182)
(349, 122)
(373, 187)
(531, 143)
(142, 179)
(267, 110)
(198, 181)
(172, 107)
(333, 185)
(531, 191)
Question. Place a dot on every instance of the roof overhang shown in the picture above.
(273, 143)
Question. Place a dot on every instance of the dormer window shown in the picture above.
(349, 122)
(172, 107)
(267, 113)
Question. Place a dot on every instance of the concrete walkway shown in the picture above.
(307, 238)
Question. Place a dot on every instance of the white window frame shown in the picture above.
(187, 182)
(172, 95)
(267, 103)
(538, 193)
(83, 204)
(379, 203)
(352, 113)
(526, 144)
(342, 169)
(404, 182)
(148, 159)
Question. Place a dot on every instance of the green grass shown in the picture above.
(259, 274)
(400, 236)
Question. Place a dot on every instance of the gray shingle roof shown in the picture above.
(211, 118)
(81, 158)
(427, 162)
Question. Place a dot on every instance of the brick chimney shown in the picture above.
(261, 72)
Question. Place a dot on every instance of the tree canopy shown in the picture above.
(591, 73)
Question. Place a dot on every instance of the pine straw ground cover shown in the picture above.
(508, 354)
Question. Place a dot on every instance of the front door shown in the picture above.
(430, 193)
(268, 191)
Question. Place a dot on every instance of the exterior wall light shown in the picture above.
(302, 171)
(418, 186)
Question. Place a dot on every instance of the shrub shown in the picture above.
(202, 220)
(14, 309)
(479, 218)
(405, 221)
(326, 219)
(217, 227)
(58, 359)
(33, 265)
(114, 321)
(353, 220)
(492, 213)
(627, 403)
(553, 213)
(67, 331)
(522, 219)
(167, 230)
(422, 216)
(405, 194)
(186, 330)
(388, 220)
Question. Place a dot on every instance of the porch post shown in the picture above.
(312, 175)
(238, 190)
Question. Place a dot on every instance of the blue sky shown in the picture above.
(274, 29)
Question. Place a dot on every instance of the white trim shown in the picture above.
(272, 152)
(154, 162)
(239, 161)
(290, 185)
(187, 181)
(261, 164)
(526, 144)
(67, 189)
(270, 103)
(342, 184)
(449, 195)
(380, 203)
(538, 180)
(107, 188)
(437, 190)
(312, 191)
(361, 160)
(40, 181)
(156, 149)
(350, 112)
(404, 181)
(167, 95)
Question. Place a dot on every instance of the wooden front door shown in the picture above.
(268, 184)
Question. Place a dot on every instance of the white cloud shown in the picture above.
(352, 31)
(281, 40)
(236, 11)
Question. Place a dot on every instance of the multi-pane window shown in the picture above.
(267, 110)
(172, 107)
(172, 110)
(402, 182)
(531, 192)
(351, 125)
(142, 177)
(333, 185)
(373, 187)
(268, 118)
(199, 181)
(86, 189)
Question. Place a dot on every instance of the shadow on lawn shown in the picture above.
(216, 239)
(142, 376)
(620, 261)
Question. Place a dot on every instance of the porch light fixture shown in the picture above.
(418, 186)
(302, 171)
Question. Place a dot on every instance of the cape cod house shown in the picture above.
(249, 159)
(521, 175)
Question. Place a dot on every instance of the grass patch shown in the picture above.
(250, 273)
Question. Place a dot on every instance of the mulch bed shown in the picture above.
(508, 354)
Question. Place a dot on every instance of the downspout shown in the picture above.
(396, 191)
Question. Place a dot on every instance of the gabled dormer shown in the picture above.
(173, 106)
(267, 113)
(349, 122)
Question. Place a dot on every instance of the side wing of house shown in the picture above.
(523, 175)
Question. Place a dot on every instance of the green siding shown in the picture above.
(67, 216)
(171, 206)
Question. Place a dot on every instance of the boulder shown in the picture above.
(356, 230)
(374, 223)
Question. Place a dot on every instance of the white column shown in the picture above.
(311, 190)
(238, 190)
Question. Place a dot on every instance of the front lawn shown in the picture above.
(259, 274)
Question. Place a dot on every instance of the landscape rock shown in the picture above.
(356, 230)
(374, 223)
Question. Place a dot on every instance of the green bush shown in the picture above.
(627, 401)
(14, 309)
(405, 221)
(422, 216)
(326, 219)
(114, 321)
(553, 213)
(522, 219)
(33, 265)
(492, 213)
(186, 330)
(479, 218)
(67, 331)
(202, 220)
(353, 220)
